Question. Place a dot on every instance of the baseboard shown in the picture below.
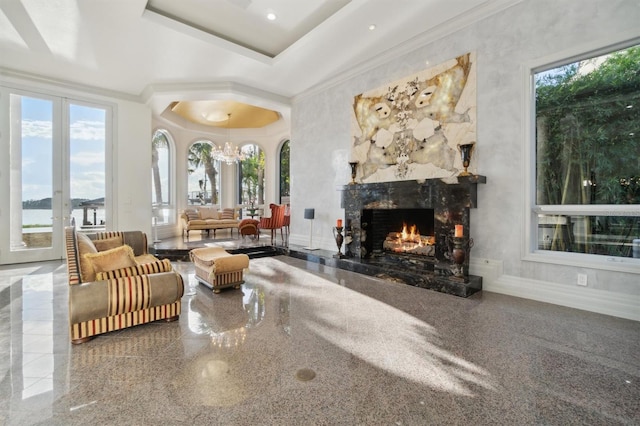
(588, 299)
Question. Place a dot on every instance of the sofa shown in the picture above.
(114, 283)
(208, 218)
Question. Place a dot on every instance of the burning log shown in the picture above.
(409, 241)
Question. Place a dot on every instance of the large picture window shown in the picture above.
(587, 148)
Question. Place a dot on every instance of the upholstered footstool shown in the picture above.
(218, 269)
(249, 227)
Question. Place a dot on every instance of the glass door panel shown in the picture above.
(87, 134)
(56, 163)
(35, 196)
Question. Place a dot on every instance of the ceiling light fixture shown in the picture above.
(372, 27)
(271, 16)
(229, 154)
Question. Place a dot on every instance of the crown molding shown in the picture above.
(63, 87)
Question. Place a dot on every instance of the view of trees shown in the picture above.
(252, 175)
(588, 141)
(159, 141)
(589, 131)
(251, 172)
(200, 154)
(284, 171)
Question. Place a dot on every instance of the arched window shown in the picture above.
(161, 197)
(251, 176)
(284, 173)
(204, 171)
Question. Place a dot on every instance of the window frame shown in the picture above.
(284, 199)
(530, 250)
(170, 204)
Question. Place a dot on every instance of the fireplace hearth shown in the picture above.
(376, 213)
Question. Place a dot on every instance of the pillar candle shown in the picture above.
(459, 230)
(339, 223)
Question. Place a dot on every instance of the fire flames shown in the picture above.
(409, 240)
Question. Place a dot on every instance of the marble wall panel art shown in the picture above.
(411, 128)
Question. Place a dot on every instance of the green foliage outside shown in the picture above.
(252, 176)
(284, 170)
(588, 144)
(201, 154)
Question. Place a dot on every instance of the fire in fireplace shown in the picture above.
(399, 231)
(410, 241)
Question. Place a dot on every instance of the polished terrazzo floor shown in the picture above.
(305, 344)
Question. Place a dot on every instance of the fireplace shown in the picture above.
(376, 212)
(398, 231)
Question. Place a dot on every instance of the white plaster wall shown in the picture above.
(505, 43)
(131, 169)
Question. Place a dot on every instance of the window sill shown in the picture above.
(589, 261)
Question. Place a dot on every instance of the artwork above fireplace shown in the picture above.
(413, 128)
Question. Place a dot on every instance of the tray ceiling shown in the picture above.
(245, 22)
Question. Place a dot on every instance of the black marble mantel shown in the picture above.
(450, 199)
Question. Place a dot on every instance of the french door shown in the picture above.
(55, 163)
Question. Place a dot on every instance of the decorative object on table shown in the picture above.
(252, 211)
(310, 214)
(465, 151)
(337, 234)
(354, 169)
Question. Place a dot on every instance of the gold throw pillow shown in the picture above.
(108, 243)
(117, 258)
(85, 246)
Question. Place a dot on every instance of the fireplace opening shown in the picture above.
(398, 231)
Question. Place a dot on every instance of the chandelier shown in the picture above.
(228, 154)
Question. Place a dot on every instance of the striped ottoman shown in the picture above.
(218, 269)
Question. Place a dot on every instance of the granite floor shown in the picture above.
(306, 344)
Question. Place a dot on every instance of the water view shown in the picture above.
(31, 217)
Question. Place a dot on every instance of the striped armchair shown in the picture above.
(275, 222)
(114, 283)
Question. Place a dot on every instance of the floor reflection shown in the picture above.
(380, 353)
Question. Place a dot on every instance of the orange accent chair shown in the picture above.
(275, 222)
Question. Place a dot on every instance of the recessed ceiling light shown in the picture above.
(372, 27)
(271, 16)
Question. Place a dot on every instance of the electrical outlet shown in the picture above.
(582, 279)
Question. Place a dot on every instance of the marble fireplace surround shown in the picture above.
(450, 198)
